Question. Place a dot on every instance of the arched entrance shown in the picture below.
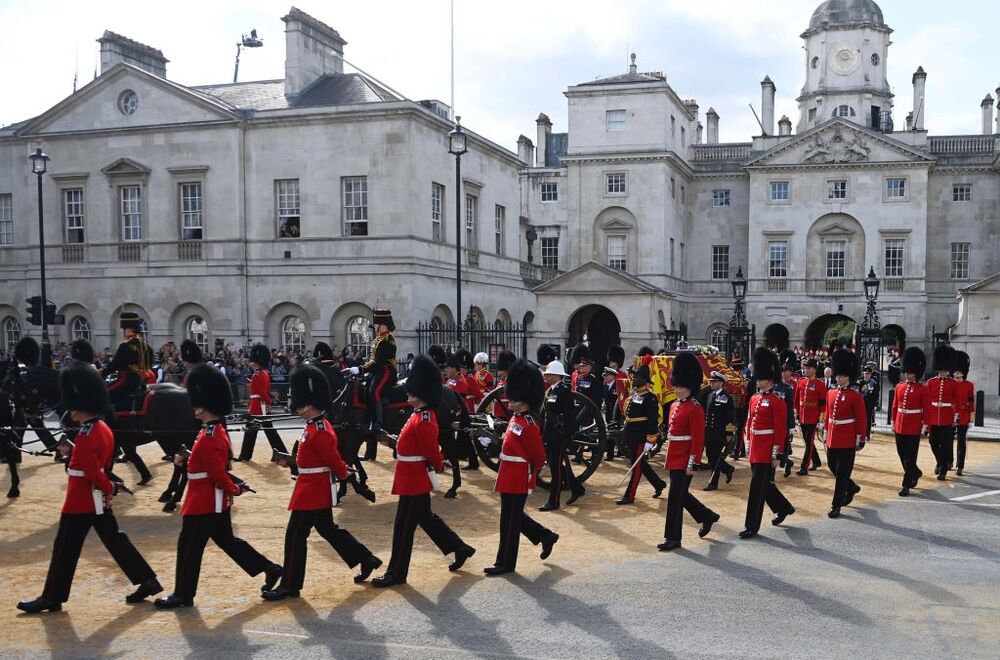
(597, 325)
(894, 336)
(776, 337)
(828, 329)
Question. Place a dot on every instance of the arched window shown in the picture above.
(293, 334)
(359, 335)
(79, 328)
(717, 336)
(196, 329)
(843, 111)
(11, 333)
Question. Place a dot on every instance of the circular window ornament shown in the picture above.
(128, 102)
(815, 62)
(875, 59)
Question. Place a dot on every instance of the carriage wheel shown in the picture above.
(586, 449)
(617, 436)
(489, 440)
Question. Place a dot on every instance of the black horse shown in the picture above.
(11, 432)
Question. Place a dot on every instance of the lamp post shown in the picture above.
(738, 334)
(39, 165)
(869, 341)
(458, 145)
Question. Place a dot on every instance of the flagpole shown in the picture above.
(453, 59)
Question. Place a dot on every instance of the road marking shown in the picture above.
(974, 496)
(411, 647)
(920, 500)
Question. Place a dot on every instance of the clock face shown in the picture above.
(844, 59)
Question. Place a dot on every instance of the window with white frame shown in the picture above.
(355, 205)
(196, 329)
(73, 213)
(550, 252)
(359, 335)
(472, 222)
(286, 203)
(293, 334)
(779, 191)
(11, 334)
(960, 260)
(79, 328)
(437, 212)
(895, 188)
(717, 336)
(617, 252)
(961, 192)
(720, 198)
(836, 189)
(843, 111)
(550, 192)
(616, 120)
(615, 183)
(499, 228)
(720, 262)
(895, 252)
(6, 219)
(131, 212)
(777, 259)
(836, 259)
(192, 218)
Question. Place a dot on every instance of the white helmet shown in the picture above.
(481, 358)
(555, 368)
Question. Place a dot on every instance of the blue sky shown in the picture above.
(514, 58)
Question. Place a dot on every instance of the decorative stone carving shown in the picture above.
(837, 149)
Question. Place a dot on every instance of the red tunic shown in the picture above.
(474, 393)
(846, 418)
(943, 395)
(965, 395)
(685, 435)
(88, 483)
(460, 386)
(318, 458)
(208, 481)
(416, 449)
(485, 381)
(521, 457)
(766, 427)
(501, 404)
(910, 407)
(260, 392)
(809, 400)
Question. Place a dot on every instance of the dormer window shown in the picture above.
(843, 111)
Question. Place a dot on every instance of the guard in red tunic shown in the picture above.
(966, 403)
(809, 401)
(943, 411)
(910, 407)
(846, 428)
(210, 492)
(765, 431)
(521, 459)
(88, 498)
(642, 419)
(418, 461)
(484, 379)
(685, 445)
(319, 468)
(260, 405)
(501, 407)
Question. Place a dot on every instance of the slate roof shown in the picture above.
(625, 78)
(556, 145)
(329, 90)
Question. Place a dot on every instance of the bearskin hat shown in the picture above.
(843, 363)
(962, 362)
(581, 355)
(81, 351)
(27, 351)
(765, 364)
(685, 371)
(209, 389)
(130, 320)
(641, 374)
(944, 358)
(505, 360)
(383, 317)
(260, 354)
(914, 362)
(308, 386)
(82, 389)
(191, 352)
(545, 354)
(464, 359)
(525, 383)
(812, 363)
(789, 362)
(616, 354)
(424, 380)
(437, 354)
(644, 351)
(322, 351)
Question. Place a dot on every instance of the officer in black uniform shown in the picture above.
(719, 416)
(642, 418)
(131, 360)
(870, 386)
(323, 359)
(28, 354)
(381, 370)
(559, 427)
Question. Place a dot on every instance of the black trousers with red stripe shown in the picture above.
(679, 500)
(415, 511)
(195, 533)
(561, 471)
(907, 448)
(513, 523)
(300, 524)
(73, 530)
(942, 444)
(841, 462)
(644, 469)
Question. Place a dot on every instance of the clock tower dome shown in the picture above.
(847, 48)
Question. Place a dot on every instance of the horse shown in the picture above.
(11, 432)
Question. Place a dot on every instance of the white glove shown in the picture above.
(649, 446)
(819, 426)
(354, 371)
(485, 440)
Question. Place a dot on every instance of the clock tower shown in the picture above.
(847, 48)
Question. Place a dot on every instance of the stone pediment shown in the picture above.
(838, 143)
(597, 279)
(125, 167)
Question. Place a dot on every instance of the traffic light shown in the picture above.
(35, 310)
(51, 318)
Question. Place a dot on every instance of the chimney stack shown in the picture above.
(701, 133)
(525, 150)
(919, 98)
(312, 49)
(115, 49)
(784, 126)
(544, 128)
(987, 107)
(712, 117)
(767, 90)
(632, 68)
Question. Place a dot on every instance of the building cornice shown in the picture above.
(631, 157)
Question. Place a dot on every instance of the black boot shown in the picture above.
(461, 555)
(367, 566)
(40, 604)
(386, 580)
(280, 593)
(271, 576)
(146, 589)
(492, 571)
(548, 544)
(171, 602)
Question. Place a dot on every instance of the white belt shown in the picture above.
(940, 404)
(76, 473)
(841, 422)
(513, 459)
(762, 431)
(254, 396)
(96, 493)
(334, 496)
(410, 459)
(192, 476)
(910, 411)
(315, 470)
(678, 438)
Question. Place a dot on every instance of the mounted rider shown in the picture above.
(380, 367)
(130, 362)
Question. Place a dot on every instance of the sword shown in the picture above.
(627, 474)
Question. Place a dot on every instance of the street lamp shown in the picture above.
(869, 342)
(39, 165)
(738, 333)
(458, 143)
